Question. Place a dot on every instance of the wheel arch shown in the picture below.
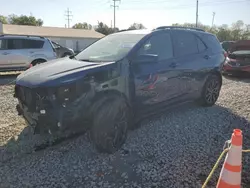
(38, 59)
(102, 96)
(216, 73)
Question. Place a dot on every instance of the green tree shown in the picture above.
(83, 25)
(237, 31)
(24, 20)
(135, 26)
(104, 29)
(3, 19)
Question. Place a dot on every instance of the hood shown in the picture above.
(58, 72)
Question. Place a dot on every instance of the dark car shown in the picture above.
(119, 79)
(238, 60)
(62, 51)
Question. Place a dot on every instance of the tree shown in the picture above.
(24, 20)
(83, 25)
(3, 19)
(104, 29)
(135, 26)
(237, 31)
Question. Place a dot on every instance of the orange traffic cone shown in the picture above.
(230, 176)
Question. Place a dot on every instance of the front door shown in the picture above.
(157, 82)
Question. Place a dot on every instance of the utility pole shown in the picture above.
(68, 16)
(213, 19)
(114, 6)
(197, 10)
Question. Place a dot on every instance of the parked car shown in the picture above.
(120, 79)
(21, 52)
(238, 60)
(62, 51)
(227, 44)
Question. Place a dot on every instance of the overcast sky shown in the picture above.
(151, 13)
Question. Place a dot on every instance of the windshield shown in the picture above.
(110, 48)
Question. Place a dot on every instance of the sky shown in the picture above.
(151, 13)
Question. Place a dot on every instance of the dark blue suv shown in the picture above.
(119, 78)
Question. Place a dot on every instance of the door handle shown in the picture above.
(6, 53)
(207, 57)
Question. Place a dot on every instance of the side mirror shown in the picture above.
(146, 58)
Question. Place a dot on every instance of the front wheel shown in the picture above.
(110, 125)
(211, 91)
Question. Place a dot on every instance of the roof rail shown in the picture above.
(22, 35)
(180, 27)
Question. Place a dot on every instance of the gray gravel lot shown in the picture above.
(176, 149)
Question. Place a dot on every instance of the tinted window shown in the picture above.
(201, 45)
(212, 42)
(32, 43)
(14, 44)
(24, 44)
(160, 45)
(185, 43)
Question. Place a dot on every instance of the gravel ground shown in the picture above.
(177, 149)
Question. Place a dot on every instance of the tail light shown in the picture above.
(30, 66)
(225, 54)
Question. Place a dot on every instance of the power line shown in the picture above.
(68, 15)
(114, 6)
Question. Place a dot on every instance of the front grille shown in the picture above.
(31, 97)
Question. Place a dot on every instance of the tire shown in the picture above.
(210, 91)
(110, 125)
(38, 61)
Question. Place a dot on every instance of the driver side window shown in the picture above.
(160, 44)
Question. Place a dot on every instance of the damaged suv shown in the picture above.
(120, 78)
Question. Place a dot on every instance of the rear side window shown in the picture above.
(24, 44)
(185, 43)
(34, 44)
(14, 44)
(212, 42)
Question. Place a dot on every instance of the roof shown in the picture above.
(136, 31)
(49, 31)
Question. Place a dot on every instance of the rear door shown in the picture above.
(187, 60)
(17, 53)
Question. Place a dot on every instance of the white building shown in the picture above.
(76, 39)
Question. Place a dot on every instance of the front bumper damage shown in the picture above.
(47, 115)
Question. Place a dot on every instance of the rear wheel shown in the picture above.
(211, 91)
(110, 125)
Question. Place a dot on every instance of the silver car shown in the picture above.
(21, 52)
